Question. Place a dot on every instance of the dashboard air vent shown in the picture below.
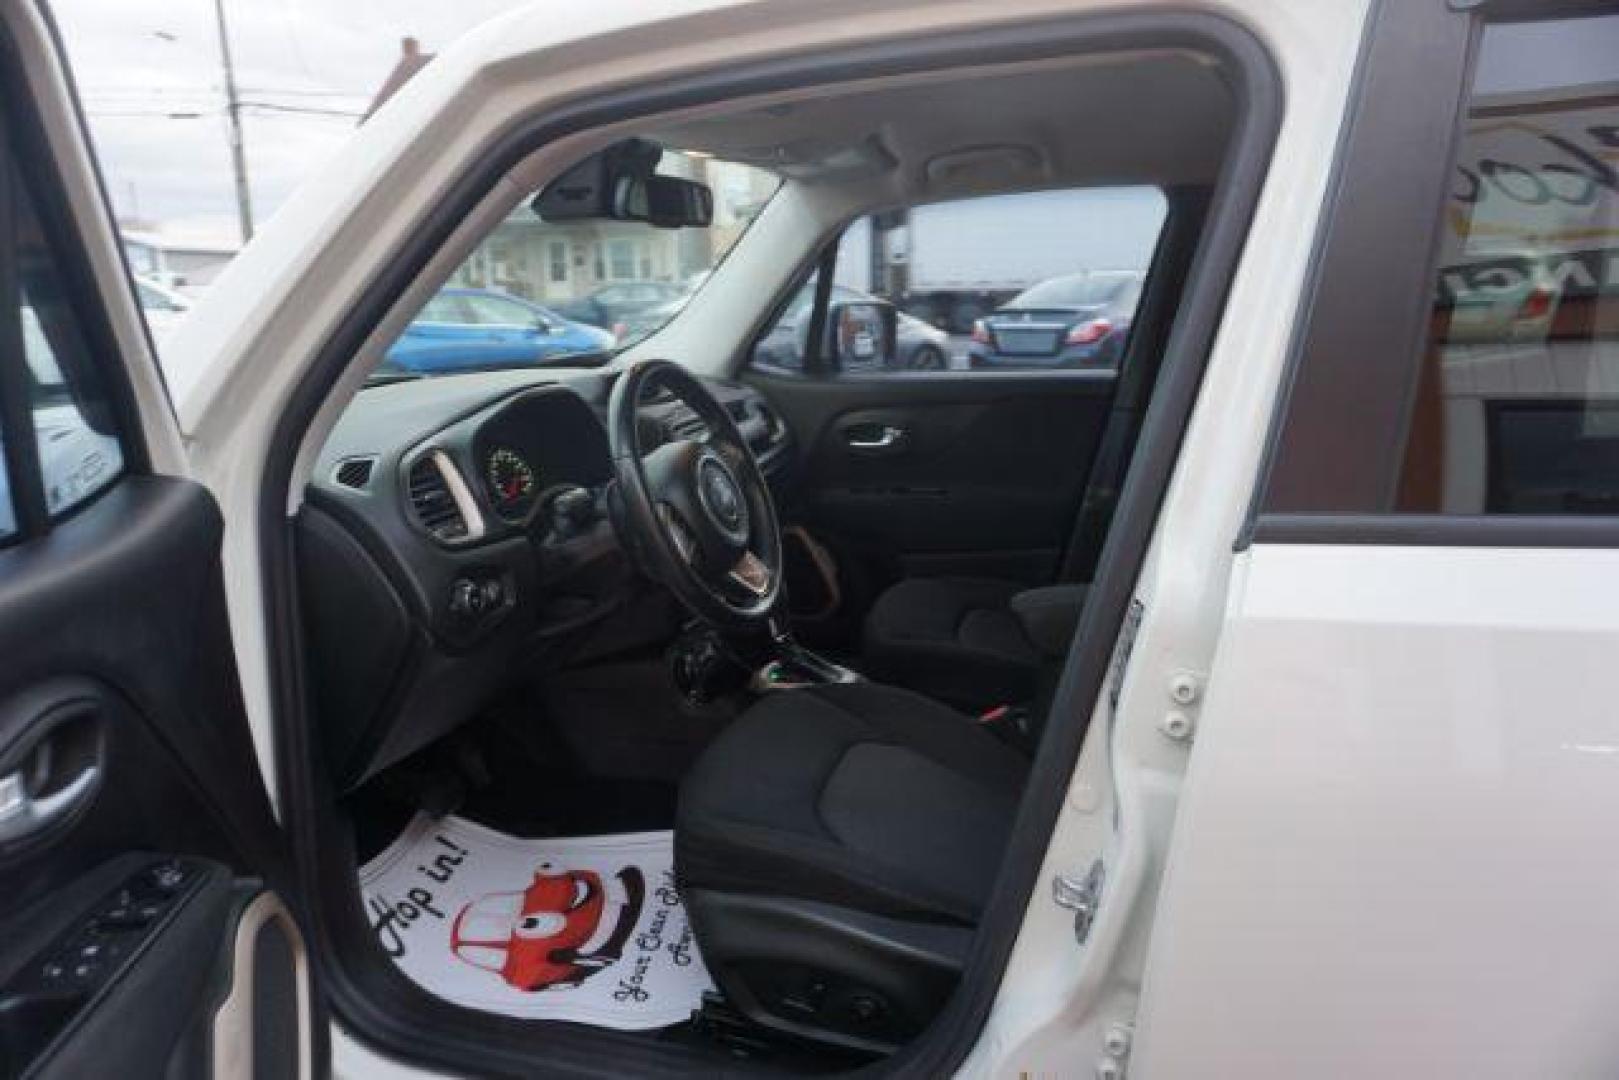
(432, 496)
(354, 472)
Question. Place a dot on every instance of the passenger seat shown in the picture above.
(971, 642)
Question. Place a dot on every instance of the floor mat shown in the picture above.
(588, 929)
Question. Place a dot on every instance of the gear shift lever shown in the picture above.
(794, 666)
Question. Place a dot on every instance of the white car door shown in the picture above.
(148, 924)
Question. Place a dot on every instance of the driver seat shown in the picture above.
(835, 847)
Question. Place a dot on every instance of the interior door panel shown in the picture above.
(130, 839)
(971, 473)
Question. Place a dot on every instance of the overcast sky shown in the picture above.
(149, 73)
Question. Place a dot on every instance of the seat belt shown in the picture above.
(1138, 374)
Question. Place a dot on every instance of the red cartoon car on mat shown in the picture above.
(540, 939)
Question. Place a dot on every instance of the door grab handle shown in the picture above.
(887, 438)
(23, 814)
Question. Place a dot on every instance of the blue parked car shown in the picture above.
(464, 329)
(1077, 320)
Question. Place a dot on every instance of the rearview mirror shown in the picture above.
(620, 183)
(665, 202)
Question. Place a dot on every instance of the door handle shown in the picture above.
(55, 763)
(872, 439)
(24, 814)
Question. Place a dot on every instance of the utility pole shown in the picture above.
(233, 114)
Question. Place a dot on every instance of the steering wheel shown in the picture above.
(697, 510)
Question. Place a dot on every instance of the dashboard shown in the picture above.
(455, 540)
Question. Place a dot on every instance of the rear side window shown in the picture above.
(1510, 405)
(1517, 407)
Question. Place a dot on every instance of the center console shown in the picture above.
(795, 667)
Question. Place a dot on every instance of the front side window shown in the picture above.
(1517, 411)
(444, 309)
(1035, 281)
(497, 311)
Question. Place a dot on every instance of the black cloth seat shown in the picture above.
(974, 643)
(865, 796)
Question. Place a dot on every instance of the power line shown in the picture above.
(303, 110)
(233, 112)
(304, 91)
(149, 114)
(165, 92)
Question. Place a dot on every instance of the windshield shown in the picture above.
(572, 293)
(1074, 290)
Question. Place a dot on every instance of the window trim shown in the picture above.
(1380, 239)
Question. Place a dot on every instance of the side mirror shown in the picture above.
(861, 333)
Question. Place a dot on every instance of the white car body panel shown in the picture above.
(1402, 761)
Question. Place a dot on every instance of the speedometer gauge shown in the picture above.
(511, 483)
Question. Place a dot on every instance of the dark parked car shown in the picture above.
(463, 329)
(1077, 320)
(613, 305)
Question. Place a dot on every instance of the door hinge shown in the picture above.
(1081, 896)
